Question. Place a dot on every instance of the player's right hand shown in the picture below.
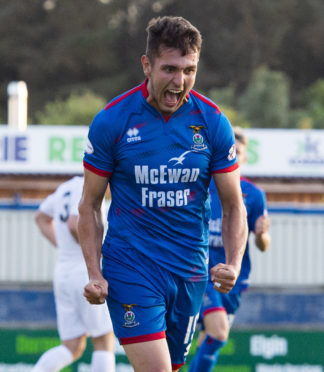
(224, 277)
(96, 291)
(262, 225)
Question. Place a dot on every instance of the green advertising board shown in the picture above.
(246, 351)
(271, 351)
(21, 348)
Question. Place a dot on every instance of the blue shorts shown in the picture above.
(216, 301)
(147, 302)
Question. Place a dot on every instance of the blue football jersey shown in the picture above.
(160, 170)
(255, 203)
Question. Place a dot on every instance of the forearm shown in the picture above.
(90, 231)
(46, 226)
(75, 235)
(49, 233)
(72, 223)
(234, 233)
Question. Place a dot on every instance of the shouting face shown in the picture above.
(170, 78)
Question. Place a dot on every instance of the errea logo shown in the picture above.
(133, 135)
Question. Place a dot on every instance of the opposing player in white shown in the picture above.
(76, 319)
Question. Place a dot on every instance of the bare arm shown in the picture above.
(90, 231)
(46, 226)
(72, 223)
(262, 236)
(234, 229)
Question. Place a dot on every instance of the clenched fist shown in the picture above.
(96, 291)
(224, 277)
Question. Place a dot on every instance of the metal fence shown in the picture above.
(296, 253)
(295, 257)
(25, 255)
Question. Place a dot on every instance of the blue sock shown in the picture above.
(206, 355)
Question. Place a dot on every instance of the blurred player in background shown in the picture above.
(158, 145)
(218, 309)
(76, 318)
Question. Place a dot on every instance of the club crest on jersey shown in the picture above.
(129, 316)
(231, 153)
(197, 138)
(133, 136)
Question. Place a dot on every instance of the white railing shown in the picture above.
(25, 255)
(296, 253)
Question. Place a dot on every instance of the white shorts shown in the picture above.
(75, 315)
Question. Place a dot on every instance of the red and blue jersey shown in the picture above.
(160, 169)
(255, 203)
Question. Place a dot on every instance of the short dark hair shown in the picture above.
(172, 32)
(240, 135)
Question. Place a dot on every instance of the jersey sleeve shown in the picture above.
(223, 147)
(259, 208)
(98, 156)
(47, 205)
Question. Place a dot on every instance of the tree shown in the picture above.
(77, 109)
(58, 49)
(225, 99)
(58, 46)
(315, 103)
(265, 103)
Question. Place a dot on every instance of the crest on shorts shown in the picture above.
(197, 138)
(206, 300)
(129, 316)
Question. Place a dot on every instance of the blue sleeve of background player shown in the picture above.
(258, 209)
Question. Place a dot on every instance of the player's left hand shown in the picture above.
(224, 277)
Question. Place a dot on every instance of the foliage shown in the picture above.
(235, 117)
(225, 98)
(77, 109)
(265, 103)
(300, 119)
(315, 103)
(59, 47)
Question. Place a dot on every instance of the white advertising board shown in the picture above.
(285, 153)
(42, 149)
(59, 150)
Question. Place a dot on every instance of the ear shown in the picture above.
(146, 65)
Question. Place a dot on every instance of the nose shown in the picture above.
(178, 79)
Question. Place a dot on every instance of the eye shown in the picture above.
(189, 70)
(169, 68)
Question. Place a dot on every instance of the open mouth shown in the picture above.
(172, 97)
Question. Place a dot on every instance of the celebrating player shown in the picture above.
(76, 318)
(218, 309)
(158, 146)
